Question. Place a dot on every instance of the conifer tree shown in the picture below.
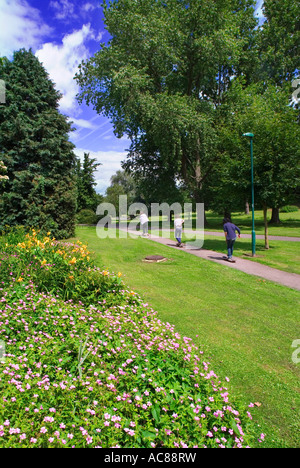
(87, 197)
(35, 148)
(3, 169)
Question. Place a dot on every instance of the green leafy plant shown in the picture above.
(82, 357)
(80, 373)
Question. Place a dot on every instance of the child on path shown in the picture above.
(178, 222)
(230, 236)
(144, 223)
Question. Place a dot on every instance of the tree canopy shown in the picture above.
(163, 73)
(122, 183)
(265, 111)
(280, 41)
(182, 80)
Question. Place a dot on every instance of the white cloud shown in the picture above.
(258, 7)
(20, 26)
(110, 164)
(61, 62)
(63, 9)
(89, 7)
(84, 129)
(259, 11)
(66, 9)
(82, 124)
(79, 135)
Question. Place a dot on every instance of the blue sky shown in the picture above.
(62, 33)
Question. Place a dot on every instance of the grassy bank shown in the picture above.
(283, 255)
(86, 363)
(245, 325)
(289, 223)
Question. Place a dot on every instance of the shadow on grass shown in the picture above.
(244, 248)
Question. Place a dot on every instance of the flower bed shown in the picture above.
(104, 372)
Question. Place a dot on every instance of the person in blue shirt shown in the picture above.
(230, 230)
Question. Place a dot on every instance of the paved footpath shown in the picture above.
(291, 280)
(258, 236)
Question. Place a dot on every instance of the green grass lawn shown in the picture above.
(245, 326)
(283, 255)
(289, 225)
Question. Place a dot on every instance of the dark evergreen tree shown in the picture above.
(87, 197)
(34, 145)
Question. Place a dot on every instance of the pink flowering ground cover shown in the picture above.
(101, 374)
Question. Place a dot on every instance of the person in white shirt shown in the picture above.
(144, 223)
(178, 222)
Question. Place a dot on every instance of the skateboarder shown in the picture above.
(144, 223)
(178, 222)
(230, 230)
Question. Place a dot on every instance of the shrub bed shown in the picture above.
(101, 369)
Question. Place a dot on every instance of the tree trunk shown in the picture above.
(265, 208)
(247, 208)
(198, 199)
(197, 178)
(275, 216)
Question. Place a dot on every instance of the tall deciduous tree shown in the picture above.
(121, 184)
(35, 147)
(279, 49)
(164, 72)
(264, 111)
(280, 41)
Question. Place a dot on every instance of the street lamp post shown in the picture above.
(251, 136)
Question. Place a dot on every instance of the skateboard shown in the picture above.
(230, 261)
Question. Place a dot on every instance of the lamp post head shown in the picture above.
(251, 135)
